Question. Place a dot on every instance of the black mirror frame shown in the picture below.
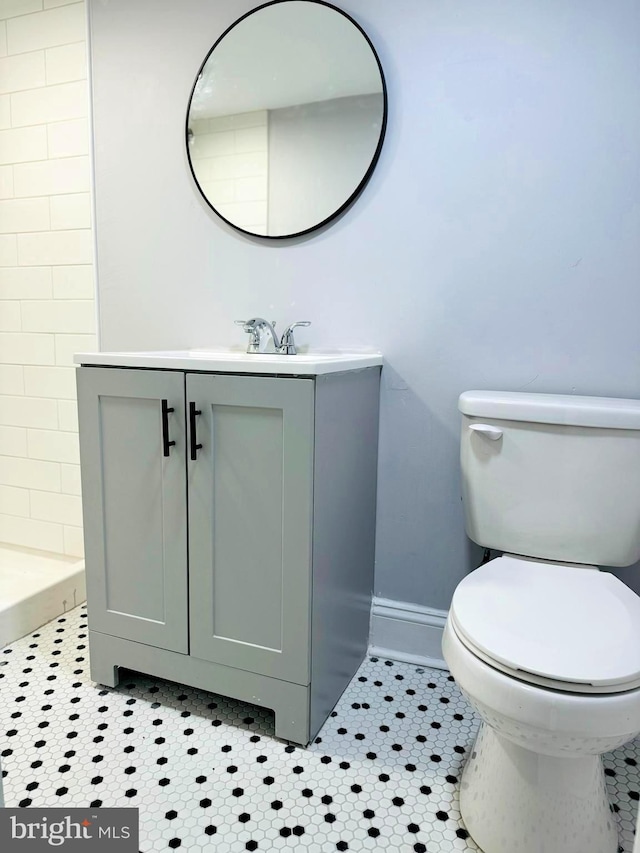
(367, 175)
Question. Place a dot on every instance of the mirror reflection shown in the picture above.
(286, 118)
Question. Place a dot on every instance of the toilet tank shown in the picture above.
(552, 476)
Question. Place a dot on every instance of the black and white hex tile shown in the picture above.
(207, 773)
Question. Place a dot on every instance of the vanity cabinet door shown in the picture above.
(134, 500)
(250, 515)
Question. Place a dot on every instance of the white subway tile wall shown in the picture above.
(46, 279)
(230, 159)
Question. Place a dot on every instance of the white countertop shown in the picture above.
(235, 361)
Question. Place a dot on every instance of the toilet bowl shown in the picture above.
(545, 646)
(534, 782)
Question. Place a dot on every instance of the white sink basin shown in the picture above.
(236, 361)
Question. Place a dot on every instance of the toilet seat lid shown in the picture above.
(574, 627)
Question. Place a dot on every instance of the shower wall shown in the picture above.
(46, 280)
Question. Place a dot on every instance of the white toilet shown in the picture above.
(544, 645)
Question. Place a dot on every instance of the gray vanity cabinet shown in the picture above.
(229, 531)
(135, 514)
(250, 504)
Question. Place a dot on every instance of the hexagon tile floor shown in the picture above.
(207, 774)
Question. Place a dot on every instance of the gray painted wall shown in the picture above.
(496, 245)
(318, 154)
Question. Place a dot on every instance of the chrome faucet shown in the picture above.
(287, 343)
(264, 339)
(262, 335)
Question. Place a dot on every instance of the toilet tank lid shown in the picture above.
(606, 412)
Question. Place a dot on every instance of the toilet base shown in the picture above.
(513, 800)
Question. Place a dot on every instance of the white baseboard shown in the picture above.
(407, 632)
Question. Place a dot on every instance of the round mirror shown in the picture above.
(286, 118)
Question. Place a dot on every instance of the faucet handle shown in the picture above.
(287, 343)
(262, 335)
(248, 325)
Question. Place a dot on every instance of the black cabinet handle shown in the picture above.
(192, 429)
(166, 444)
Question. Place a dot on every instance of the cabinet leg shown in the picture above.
(107, 675)
(292, 721)
(103, 670)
